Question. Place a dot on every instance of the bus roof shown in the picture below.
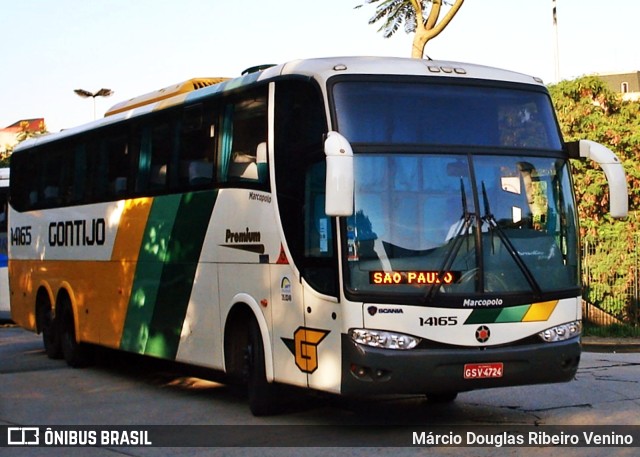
(164, 93)
(320, 69)
(325, 68)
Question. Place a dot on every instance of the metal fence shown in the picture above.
(611, 296)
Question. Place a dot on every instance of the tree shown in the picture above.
(24, 134)
(419, 17)
(588, 109)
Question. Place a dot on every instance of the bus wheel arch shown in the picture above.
(243, 310)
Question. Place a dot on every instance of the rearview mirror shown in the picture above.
(613, 170)
(339, 182)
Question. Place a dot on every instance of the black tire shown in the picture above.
(76, 354)
(263, 396)
(50, 330)
(442, 397)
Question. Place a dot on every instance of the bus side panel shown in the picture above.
(323, 318)
(66, 245)
(165, 273)
(201, 337)
(99, 303)
(22, 293)
(126, 249)
(239, 244)
(289, 363)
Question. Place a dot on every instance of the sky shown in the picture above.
(49, 48)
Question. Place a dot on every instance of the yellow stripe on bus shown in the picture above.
(131, 229)
(540, 311)
(125, 253)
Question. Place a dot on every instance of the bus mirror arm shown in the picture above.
(340, 177)
(613, 170)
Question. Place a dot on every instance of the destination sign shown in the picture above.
(415, 277)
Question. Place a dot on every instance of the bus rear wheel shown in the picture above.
(76, 354)
(48, 325)
(263, 396)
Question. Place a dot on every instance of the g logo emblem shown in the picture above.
(306, 342)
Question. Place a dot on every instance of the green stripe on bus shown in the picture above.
(513, 314)
(178, 274)
(497, 315)
(483, 316)
(151, 259)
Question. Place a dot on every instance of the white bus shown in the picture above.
(358, 226)
(5, 310)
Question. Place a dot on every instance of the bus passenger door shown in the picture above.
(318, 349)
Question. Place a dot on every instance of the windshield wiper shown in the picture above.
(466, 221)
(491, 221)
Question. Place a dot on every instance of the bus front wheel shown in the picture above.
(263, 395)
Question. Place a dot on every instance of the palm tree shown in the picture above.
(419, 17)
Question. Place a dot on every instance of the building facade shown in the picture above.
(627, 84)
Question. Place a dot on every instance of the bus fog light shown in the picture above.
(383, 339)
(562, 332)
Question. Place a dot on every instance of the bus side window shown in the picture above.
(51, 179)
(78, 183)
(24, 195)
(114, 153)
(156, 141)
(197, 147)
(242, 155)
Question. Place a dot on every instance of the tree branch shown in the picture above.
(423, 34)
(434, 14)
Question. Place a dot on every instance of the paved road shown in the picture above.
(122, 390)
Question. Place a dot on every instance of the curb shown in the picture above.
(610, 345)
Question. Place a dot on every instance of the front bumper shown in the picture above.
(371, 371)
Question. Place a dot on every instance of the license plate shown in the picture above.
(483, 370)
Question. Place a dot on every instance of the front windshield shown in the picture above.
(425, 113)
(430, 225)
(461, 190)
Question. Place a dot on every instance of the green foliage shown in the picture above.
(24, 134)
(612, 331)
(588, 109)
(392, 14)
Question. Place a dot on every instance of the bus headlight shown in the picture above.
(383, 339)
(562, 332)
